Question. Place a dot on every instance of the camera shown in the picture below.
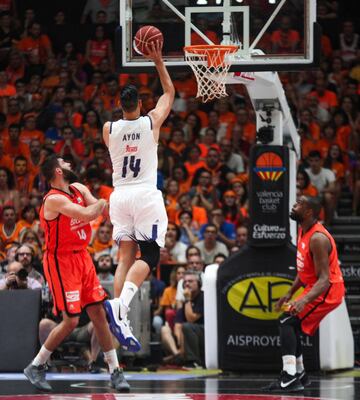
(265, 134)
(22, 274)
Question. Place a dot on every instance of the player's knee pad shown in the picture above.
(150, 253)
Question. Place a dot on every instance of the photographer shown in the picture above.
(26, 256)
(17, 278)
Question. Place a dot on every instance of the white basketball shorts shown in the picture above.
(138, 213)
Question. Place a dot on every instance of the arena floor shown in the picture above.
(179, 385)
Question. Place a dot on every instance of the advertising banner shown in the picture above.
(249, 285)
(269, 196)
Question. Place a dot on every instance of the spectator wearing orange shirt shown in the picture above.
(343, 129)
(94, 178)
(6, 90)
(36, 158)
(199, 213)
(226, 116)
(193, 162)
(10, 230)
(13, 145)
(285, 39)
(91, 131)
(51, 77)
(180, 174)
(307, 118)
(29, 131)
(192, 106)
(171, 198)
(335, 162)
(69, 145)
(16, 66)
(98, 48)
(111, 95)
(96, 87)
(303, 184)
(5, 160)
(204, 194)
(14, 114)
(23, 177)
(185, 84)
(247, 127)
(327, 98)
(103, 241)
(208, 140)
(36, 46)
(177, 143)
(192, 128)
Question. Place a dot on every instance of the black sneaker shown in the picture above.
(285, 383)
(118, 381)
(36, 376)
(304, 378)
(93, 368)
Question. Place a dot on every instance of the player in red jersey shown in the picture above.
(318, 271)
(65, 214)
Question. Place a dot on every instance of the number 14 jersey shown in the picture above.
(64, 234)
(133, 152)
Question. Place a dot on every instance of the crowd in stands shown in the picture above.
(54, 98)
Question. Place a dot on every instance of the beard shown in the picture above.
(69, 176)
(296, 217)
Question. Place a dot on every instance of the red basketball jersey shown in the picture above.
(64, 233)
(305, 263)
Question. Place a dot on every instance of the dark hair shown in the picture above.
(182, 167)
(15, 126)
(28, 208)
(8, 208)
(48, 167)
(94, 173)
(99, 146)
(314, 203)
(314, 154)
(21, 158)
(191, 247)
(211, 226)
(305, 176)
(178, 232)
(10, 177)
(185, 212)
(129, 98)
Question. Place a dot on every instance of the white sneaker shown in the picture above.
(120, 327)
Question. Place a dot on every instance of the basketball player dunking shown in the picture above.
(137, 209)
(65, 215)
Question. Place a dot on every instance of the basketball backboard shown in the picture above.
(284, 31)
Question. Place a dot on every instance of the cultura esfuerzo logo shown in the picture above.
(269, 167)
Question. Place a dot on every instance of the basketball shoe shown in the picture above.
(285, 383)
(118, 381)
(120, 327)
(37, 376)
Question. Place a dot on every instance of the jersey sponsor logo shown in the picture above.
(256, 297)
(131, 136)
(131, 149)
(72, 296)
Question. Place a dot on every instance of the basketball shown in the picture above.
(146, 35)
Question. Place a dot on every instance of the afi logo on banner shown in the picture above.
(256, 297)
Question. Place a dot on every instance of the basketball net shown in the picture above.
(210, 65)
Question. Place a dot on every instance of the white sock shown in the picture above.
(299, 364)
(128, 292)
(112, 360)
(289, 364)
(42, 356)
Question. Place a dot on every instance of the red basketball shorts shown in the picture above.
(315, 311)
(73, 282)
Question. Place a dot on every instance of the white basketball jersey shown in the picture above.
(133, 152)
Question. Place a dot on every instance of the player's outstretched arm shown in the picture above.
(61, 204)
(106, 132)
(165, 102)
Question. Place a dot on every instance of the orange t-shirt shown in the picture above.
(27, 136)
(177, 148)
(13, 237)
(171, 207)
(6, 162)
(327, 100)
(98, 246)
(187, 88)
(8, 91)
(204, 148)
(168, 299)
(343, 137)
(20, 149)
(338, 169)
(13, 118)
(310, 191)
(192, 168)
(38, 47)
(199, 216)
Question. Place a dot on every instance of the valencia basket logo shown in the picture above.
(269, 167)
